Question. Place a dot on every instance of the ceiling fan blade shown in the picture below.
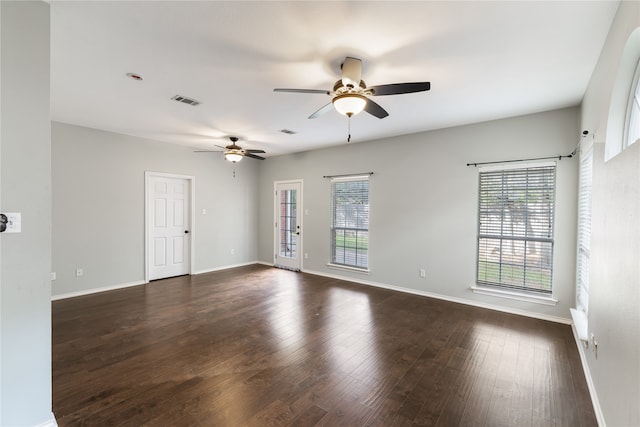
(399, 88)
(254, 151)
(322, 110)
(253, 156)
(325, 92)
(351, 72)
(207, 151)
(375, 110)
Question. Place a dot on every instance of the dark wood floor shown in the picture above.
(259, 346)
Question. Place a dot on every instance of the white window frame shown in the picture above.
(359, 265)
(632, 119)
(502, 289)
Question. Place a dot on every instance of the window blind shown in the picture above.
(350, 221)
(515, 229)
(583, 263)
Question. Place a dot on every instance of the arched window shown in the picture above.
(623, 123)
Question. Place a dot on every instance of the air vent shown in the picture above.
(185, 100)
(288, 131)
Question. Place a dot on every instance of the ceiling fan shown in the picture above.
(234, 153)
(350, 94)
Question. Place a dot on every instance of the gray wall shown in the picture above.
(614, 290)
(424, 205)
(98, 206)
(25, 186)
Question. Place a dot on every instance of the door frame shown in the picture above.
(148, 175)
(300, 209)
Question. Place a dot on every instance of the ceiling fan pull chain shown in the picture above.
(349, 128)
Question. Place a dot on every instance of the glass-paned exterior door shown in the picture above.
(288, 227)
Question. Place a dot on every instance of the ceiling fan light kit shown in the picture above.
(233, 155)
(349, 104)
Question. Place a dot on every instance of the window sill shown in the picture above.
(515, 295)
(347, 268)
(581, 324)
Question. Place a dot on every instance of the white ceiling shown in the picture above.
(485, 60)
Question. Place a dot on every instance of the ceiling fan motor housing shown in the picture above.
(340, 88)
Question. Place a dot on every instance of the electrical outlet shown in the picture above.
(233, 251)
(79, 272)
(423, 273)
(53, 275)
(306, 255)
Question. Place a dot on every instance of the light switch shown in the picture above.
(14, 222)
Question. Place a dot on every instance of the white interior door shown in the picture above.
(288, 235)
(168, 225)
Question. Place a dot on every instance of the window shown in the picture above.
(632, 128)
(623, 121)
(515, 230)
(350, 222)
(583, 263)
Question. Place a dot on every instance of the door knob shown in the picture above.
(186, 231)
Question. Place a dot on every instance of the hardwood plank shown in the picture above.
(498, 412)
(477, 404)
(311, 417)
(542, 385)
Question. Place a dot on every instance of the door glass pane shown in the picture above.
(288, 227)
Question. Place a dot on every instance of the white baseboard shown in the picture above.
(96, 290)
(51, 422)
(268, 264)
(587, 374)
(137, 283)
(225, 267)
(526, 313)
